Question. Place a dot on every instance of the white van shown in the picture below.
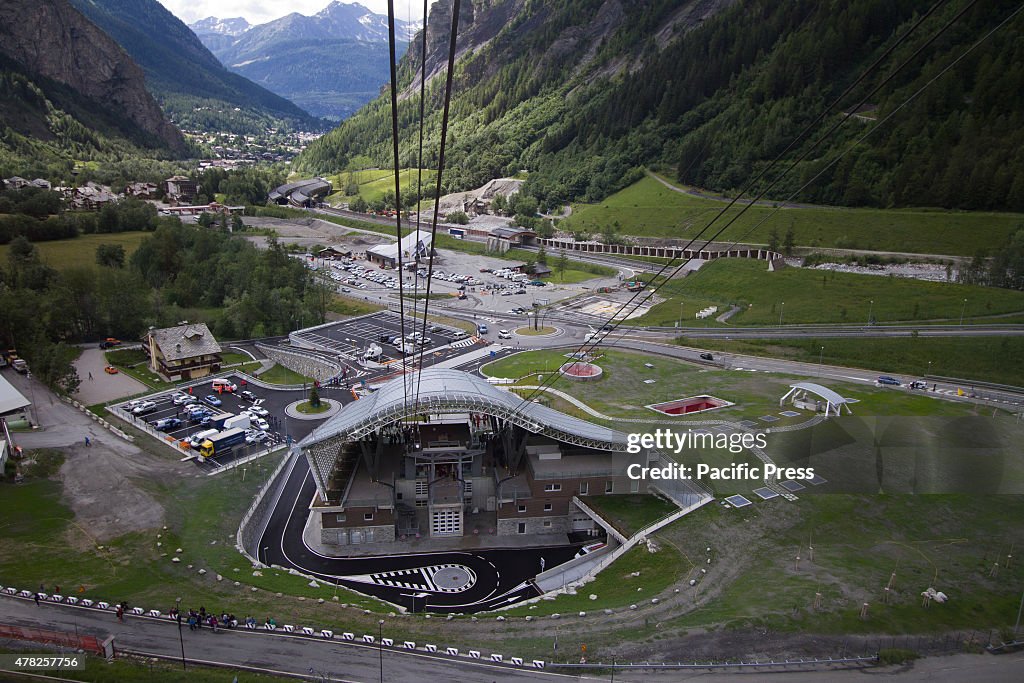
(200, 437)
(223, 385)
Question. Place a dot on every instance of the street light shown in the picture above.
(781, 310)
(963, 309)
(180, 639)
(821, 355)
(680, 314)
(380, 647)
(871, 310)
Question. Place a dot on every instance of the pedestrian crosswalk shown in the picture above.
(441, 578)
(464, 343)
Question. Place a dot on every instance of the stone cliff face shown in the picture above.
(52, 39)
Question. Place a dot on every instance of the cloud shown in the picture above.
(262, 11)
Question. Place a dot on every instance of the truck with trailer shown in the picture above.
(221, 443)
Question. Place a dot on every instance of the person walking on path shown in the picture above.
(36, 596)
(87, 442)
(120, 614)
(90, 376)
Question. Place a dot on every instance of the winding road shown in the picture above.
(448, 582)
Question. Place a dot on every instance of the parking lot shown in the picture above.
(279, 426)
(352, 338)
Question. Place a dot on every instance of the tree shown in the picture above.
(358, 205)
(222, 221)
(788, 242)
(773, 240)
(314, 397)
(561, 264)
(237, 223)
(499, 204)
(205, 219)
(110, 255)
(459, 217)
(542, 255)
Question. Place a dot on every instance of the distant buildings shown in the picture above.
(186, 351)
(90, 197)
(302, 193)
(181, 190)
(415, 246)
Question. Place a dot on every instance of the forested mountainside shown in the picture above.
(330, 63)
(68, 92)
(193, 88)
(584, 93)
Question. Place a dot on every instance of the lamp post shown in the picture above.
(821, 355)
(380, 647)
(963, 309)
(181, 640)
(871, 310)
(782, 310)
(680, 315)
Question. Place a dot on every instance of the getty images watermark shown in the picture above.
(668, 441)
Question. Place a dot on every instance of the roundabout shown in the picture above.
(292, 410)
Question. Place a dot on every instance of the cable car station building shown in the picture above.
(447, 454)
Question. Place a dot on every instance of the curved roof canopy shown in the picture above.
(454, 391)
(834, 400)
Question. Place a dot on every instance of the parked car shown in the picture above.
(918, 384)
(261, 423)
(258, 411)
(110, 370)
(212, 400)
(255, 436)
(248, 395)
(886, 379)
(144, 408)
(181, 398)
(167, 424)
(707, 356)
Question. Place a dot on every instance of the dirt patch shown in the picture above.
(104, 490)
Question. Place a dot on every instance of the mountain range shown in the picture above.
(330, 63)
(585, 95)
(69, 93)
(192, 86)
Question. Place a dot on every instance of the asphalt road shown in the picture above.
(488, 578)
(269, 652)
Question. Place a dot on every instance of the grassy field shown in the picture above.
(617, 586)
(798, 295)
(348, 306)
(81, 251)
(946, 542)
(988, 359)
(374, 183)
(649, 209)
(631, 513)
(279, 374)
(623, 390)
(531, 332)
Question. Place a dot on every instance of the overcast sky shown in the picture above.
(262, 11)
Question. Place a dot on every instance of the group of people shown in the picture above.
(196, 620)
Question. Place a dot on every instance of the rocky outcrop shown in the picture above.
(52, 39)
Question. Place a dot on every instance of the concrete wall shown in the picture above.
(358, 535)
(253, 522)
(534, 526)
(310, 365)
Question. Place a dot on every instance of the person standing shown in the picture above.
(120, 613)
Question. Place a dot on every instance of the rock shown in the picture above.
(159, 535)
(302, 599)
(179, 550)
(214, 542)
(593, 596)
(473, 619)
(190, 566)
(703, 571)
(709, 560)
(632, 607)
(319, 601)
(219, 577)
(254, 589)
(158, 544)
(639, 589)
(335, 599)
(165, 528)
(654, 601)
(235, 569)
(635, 574)
(583, 614)
(175, 559)
(608, 611)
(556, 615)
(237, 584)
(529, 617)
(676, 590)
(280, 595)
(449, 617)
(202, 572)
(427, 616)
(257, 573)
(501, 618)
(313, 584)
(693, 582)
